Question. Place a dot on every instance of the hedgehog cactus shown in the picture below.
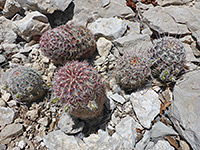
(24, 84)
(67, 42)
(132, 70)
(79, 89)
(168, 58)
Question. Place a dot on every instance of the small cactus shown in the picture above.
(24, 84)
(168, 58)
(132, 70)
(67, 42)
(80, 89)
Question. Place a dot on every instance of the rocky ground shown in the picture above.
(157, 117)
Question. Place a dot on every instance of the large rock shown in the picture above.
(146, 106)
(111, 28)
(45, 6)
(161, 21)
(34, 23)
(7, 34)
(184, 110)
(7, 116)
(12, 130)
(126, 132)
(57, 140)
(187, 15)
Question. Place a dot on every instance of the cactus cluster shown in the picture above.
(132, 70)
(67, 42)
(168, 58)
(24, 84)
(79, 88)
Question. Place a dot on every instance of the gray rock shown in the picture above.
(34, 23)
(43, 121)
(164, 22)
(11, 7)
(105, 2)
(126, 132)
(11, 130)
(57, 140)
(102, 141)
(12, 103)
(172, 2)
(2, 103)
(2, 59)
(7, 34)
(160, 145)
(144, 141)
(103, 46)
(118, 98)
(32, 114)
(45, 6)
(70, 125)
(7, 115)
(184, 110)
(111, 28)
(10, 48)
(2, 147)
(161, 130)
(146, 106)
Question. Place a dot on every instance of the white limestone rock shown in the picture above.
(111, 28)
(34, 23)
(146, 106)
(184, 110)
(160, 145)
(103, 46)
(7, 115)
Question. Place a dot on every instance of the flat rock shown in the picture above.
(146, 106)
(164, 22)
(45, 6)
(7, 34)
(70, 125)
(58, 140)
(184, 110)
(7, 115)
(161, 130)
(111, 28)
(11, 130)
(126, 132)
(34, 23)
(160, 145)
(117, 98)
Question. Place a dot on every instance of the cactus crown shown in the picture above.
(25, 84)
(132, 70)
(67, 42)
(79, 89)
(168, 58)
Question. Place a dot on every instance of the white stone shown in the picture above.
(161, 145)
(10, 48)
(144, 141)
(118, 98)
(21, 144)
(34, 23)
(111, 28)
(12, 103)
(7, 116)
(45, 6)
(146, 106)
(161, 130)
(164, 22)
(43, 121)
(2, 103)
(172, 2)
(57, 140)
(184, 111)
(2, 59)
(32, 114)
(103, 46)
(126, 132)
(7, 34)
(70, 125)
